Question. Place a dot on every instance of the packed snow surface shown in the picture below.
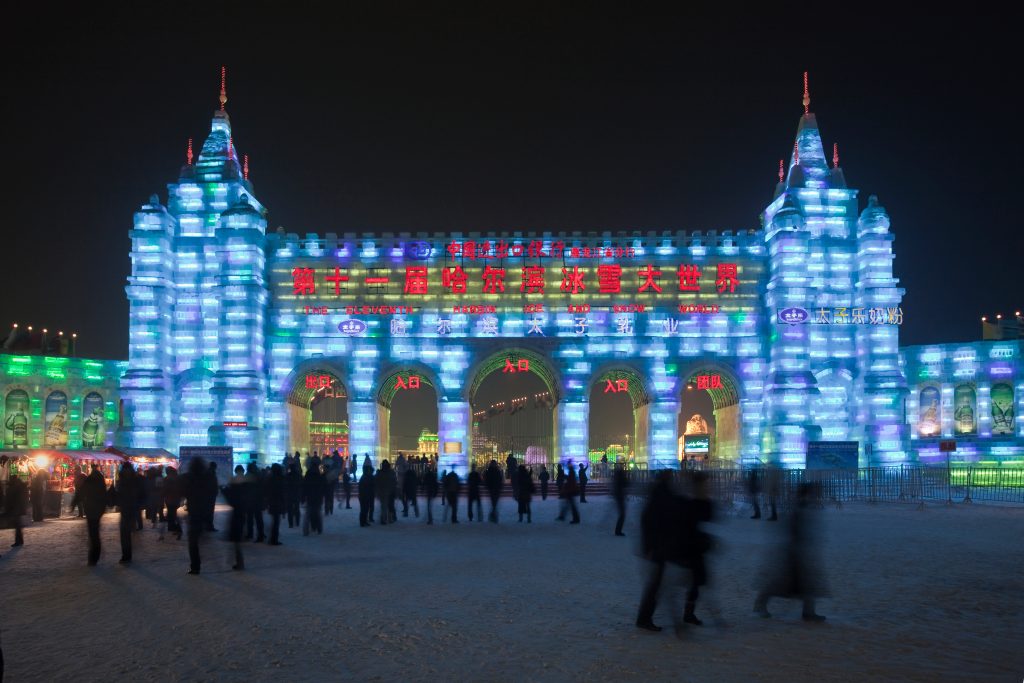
(916, 595)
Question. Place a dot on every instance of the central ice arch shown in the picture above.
(618, 376)
(520, 358)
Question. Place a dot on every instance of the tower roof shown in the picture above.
(218, 158)
(808, 165)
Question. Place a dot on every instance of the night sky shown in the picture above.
(530, 116)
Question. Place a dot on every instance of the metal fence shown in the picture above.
(898, 484)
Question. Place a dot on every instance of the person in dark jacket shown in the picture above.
(293, 495)
(366, 495)
(494, 483)
(153, 493)
(127, 498)
(17, 504)
(196, 491)
(255, 503)
(451, 492)
(238, 494)
(559, 479)
(583, 479)
(430, 489)
(38, 491)
(473, 482)
(275, 501)
(658, 528)
(620, 482)
(544, 477)
(313, 493)
(210, 495)
(525, 485)
(409, 486)
(330, 485)
(93, 501)
(172, 500)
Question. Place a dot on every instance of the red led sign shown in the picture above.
(409, 382)
(521, 365)
(709, 381)
(616, 386)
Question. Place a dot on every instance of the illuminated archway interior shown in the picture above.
(407, 414)
(619, 417)
(318, 414)
(512, 399)
(709, 406)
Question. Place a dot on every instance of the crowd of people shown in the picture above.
(303, 492)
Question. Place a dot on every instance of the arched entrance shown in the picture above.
(512, 397)
(619, 416)
(317, 412)
(407, 412)
(709, 414)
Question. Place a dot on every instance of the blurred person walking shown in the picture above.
(473, 482)
(410, 484)
(16, 507)
(544, 476)
(238, 494)
(620, 483)
(94, 502)
(293, 495)
(197, 493)
(255, 503)
(797, 571)
(127, 496)
(313, 493)
(494, 482)
(659, 528)
(583, 479)
(526, 489)
(451, 492)
(275, 486)
(430, 490)
(172, 500)
(366, 495)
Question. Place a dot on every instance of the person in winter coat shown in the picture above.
(451, 492)
(153, 493)
(313, 493)
(569, 490)
(210, 495)
(544, 476)
(93, 501)
(559, 479)
(430, 489)
(494, 482)
(366, 495)
(620, 482)
(409, 485)
(17, 504)
(255, 503)
(346, 485)
(659, 527)
(693, 542)
(583, 479)
(330, 485)
(79, 482)
(526, 489)
(238, 494)
(797, 572)
(384, 489)
(293, 495)
(195, 488)
(38, 491)
(275, 484)
(172, 500)
(473, 482)
(127, 498)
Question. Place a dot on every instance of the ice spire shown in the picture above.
(188, 154)
(224, 86)
(245, 166)
(808, 166)
(807, 96)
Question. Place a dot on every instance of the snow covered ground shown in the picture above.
(920, 595)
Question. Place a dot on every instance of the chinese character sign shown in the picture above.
(709, 382)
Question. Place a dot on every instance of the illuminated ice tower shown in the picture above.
(834, 376)
(196, 296)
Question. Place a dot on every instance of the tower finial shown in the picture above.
(807, 97)
(223, 87)
(835, 155)
(781, 172)
(796, 153)
(188, 155)
(245, 166)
